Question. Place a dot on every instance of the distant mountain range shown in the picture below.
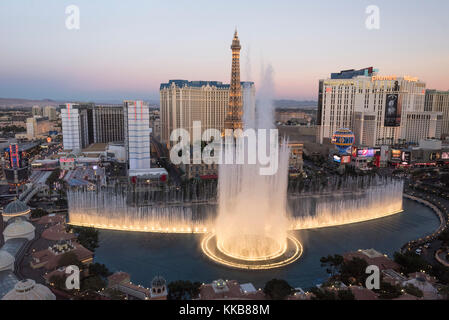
(296, 104)
(28, 103)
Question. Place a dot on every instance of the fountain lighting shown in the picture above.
(383, 198)
(306, 212)
(271, 249)
(292, 253)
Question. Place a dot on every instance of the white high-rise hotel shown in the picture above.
(75, 133)
(137, 137)
(84, 124)
(379, 109)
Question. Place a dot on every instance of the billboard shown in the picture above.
(345, 159)
(366, 152)
(395, 154)
(435, 156)
(14, 155)
(377, 160)
(445, 155)
(406, 157)
(393, 109)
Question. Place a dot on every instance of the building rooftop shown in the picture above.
(25, 146)
(96, 147)
(361, 293)
(16, 208)
(49, 258)
(6, 260)
(29, 290)
(7, 282)
(13, 246)
(57, 232)
(372, 257)
(248, 288)
(351, 73)
(52, 219)
(229, 289)
(18, 229)
(198, 84)
(117, 278)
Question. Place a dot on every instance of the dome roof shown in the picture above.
(15, 208)
(6, 259)
(29, 290)
(18, 228)
(158, 281)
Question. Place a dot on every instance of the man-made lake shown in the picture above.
(179, 256)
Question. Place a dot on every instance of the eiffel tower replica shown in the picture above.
(234, 113)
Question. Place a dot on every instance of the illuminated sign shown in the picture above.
(383, 78)
(14, 155)
(406, 157)
(365, 152)
(411, 79)
(394, 78)
(345, 159)
(445, 155)
(396, 154)
(339, 83)
(392, 110)
(435, 156)
(337, 158)
(67, 160)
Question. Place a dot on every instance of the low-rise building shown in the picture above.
(49, 258)
(38, 127)
(373, 257)
(230, 289)
(121, 281)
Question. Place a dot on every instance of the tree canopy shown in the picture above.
(183, 290)
(277, 289)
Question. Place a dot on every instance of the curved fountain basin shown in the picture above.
(252, 247)
(293, 251)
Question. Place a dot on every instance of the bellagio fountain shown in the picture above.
(251, 228)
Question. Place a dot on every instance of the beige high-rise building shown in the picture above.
(36, 111)
(50, 113)
(183, 102)
(421, 125)
(438, 101)
(365, 128)
(38, 127)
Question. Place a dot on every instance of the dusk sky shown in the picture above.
(125, 49)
